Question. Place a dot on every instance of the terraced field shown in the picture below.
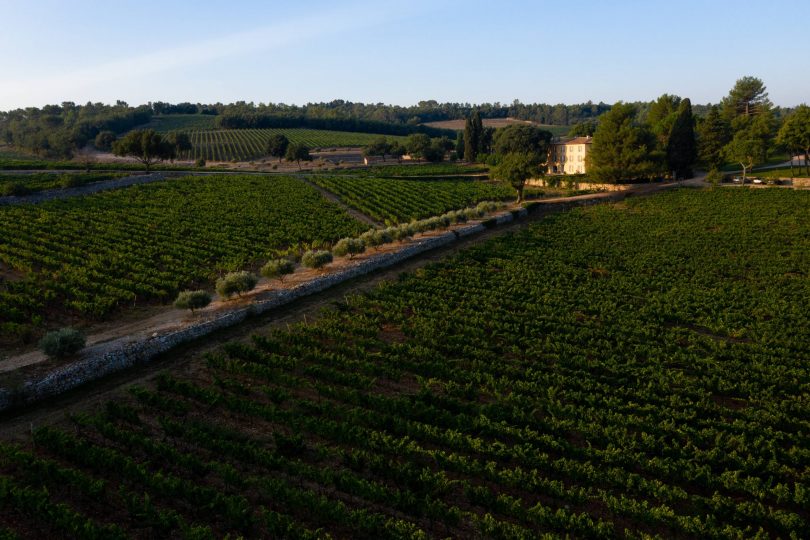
(638, 370)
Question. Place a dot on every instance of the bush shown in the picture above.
(277, 269)
(714, 177)
(236, 283)
(316, 259)
(200, 163)
(62, 342)
(349, 246)
(192, 300)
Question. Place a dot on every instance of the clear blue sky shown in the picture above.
(398, 52)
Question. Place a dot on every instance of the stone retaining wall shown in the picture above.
(106, 358)
(88, 189)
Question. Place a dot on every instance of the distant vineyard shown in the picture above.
(247, 144)
(397, 200)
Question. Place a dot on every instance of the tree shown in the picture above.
(62, 342)
(417, 144)
(104, 140)
(681, 145)
(522, 138)
(748, 97)
(621, 149)
(661, 117)
(473, 131)
(397, 151)
(714, 133)
(316, 259)
(516, 168)
(277, 145)
(179, 143)
(298, 152)
(794, 135)
(746, 148)
(236, 283)
(192, 300)
(348, 246)
(378, 147)
(145, 145)
(434, 153)
(460, 145)
(277, 269)
(583, 129)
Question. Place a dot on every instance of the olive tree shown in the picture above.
(277, 269)
(192, 300)
(348, 246)
(236, 283)
(316, 259)
(62, 342)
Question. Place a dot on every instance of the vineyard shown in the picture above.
(398, 200)
(637, 370)
(88, 256)
(21, 184)
(248, 144)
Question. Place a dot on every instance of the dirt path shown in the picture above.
(335, 199)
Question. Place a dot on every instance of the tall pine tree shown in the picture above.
(681, 143)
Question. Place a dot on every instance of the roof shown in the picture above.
(575, 140)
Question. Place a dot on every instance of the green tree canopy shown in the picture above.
(583, 129)
(145, 145)
(179, 142)
(473, 133)
(522, 138)
(681, 144)
(714, 133)
(277, 145)
(621, 149)
(518, 167)
(378, 147)
(417, 144)
(748, 97)
(747, 147)
(794, 135)
(298, 152)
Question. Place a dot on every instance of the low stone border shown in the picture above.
(106, 358)
(87, 189)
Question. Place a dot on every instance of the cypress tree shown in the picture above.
(681, 144)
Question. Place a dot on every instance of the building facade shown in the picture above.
(568, 156)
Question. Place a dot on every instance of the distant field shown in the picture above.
(248, 144)
(496, 123)
(783, 172)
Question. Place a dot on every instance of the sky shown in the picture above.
(398, 52)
